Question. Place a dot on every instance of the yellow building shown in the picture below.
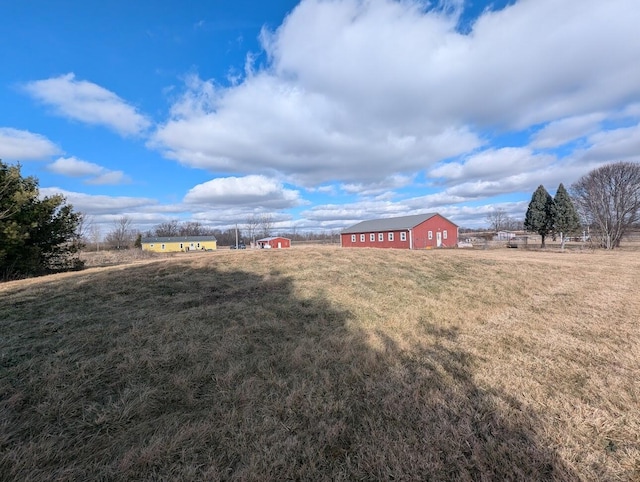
(179, 243)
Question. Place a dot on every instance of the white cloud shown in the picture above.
(378, 187)
(476, 216)
(18, 145)
(525, 182)
(483, 180)
(73, 167)
(228, 217)
(109, 178)
(493, 164)
(265, 125)
(349, 213)
(88, 102)
(531, 62)
(560, 132)
(632, 110)
(100, 204)
(255, 190)
(70, 166)
(621, 144)
(339, 216)
(355, 91)
(325, 189)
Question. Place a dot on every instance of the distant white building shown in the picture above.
(504, 235)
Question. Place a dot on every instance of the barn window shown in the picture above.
(362, 238)
(151, 245)
(372, 237)
(390, 236)
(162, 246)
(403, 236)
(430, 234)
(444, 234)
(198, 245)
(353, 238)
(181, 245)
(380, 237)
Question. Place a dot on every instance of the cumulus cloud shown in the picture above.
(266, 125)
(379, 187)
(87, 102)
(361, 98)
(109, 178)
(356, 91)
(493, 164)
(525, 182)
(613, 145)
(70, 166)
(101, 204)
(254, 190)
(349, 213)
(18, 145)
(73, 167)
(560, 132)
(339, 216)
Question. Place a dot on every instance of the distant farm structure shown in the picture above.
(419, 231)
(172, 244)
(276, 242)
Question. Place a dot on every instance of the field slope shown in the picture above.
(325, 364)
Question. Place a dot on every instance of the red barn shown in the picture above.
(407, 232)
(274, 242)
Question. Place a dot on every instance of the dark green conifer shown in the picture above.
(566, 219)
(540, 214)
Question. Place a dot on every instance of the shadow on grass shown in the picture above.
(172, 372)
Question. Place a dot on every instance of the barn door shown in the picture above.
(279, 245)
(438, 239)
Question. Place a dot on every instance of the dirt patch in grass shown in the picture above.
(322, 363)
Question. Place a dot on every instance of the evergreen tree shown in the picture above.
(36, 235)
(566, 217)
(540, 213)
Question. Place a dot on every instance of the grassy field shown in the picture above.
(325, 364)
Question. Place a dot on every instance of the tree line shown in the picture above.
(606, 201)
(122, 235)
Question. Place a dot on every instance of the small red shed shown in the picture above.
(274, 242)
(419, 231)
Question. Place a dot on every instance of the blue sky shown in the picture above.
(321, 113)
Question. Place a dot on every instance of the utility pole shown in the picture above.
(236, 235)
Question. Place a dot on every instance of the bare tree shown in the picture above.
(608, 199)
(95, 235)
(167, 229)
(194, 228)
(516, 224)
(121, 236)
(498, 220)
(266, 225)
(83, 229)
(252, 223)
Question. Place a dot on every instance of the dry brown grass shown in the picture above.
(112, 257)
(322, 363)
